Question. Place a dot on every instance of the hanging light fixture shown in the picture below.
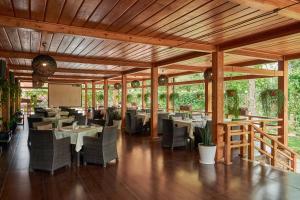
(162, 80)
(38, 81)
(208, 74)
(117, 86)
(135, 83)
(44, 65)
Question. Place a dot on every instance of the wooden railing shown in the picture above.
(254, 139)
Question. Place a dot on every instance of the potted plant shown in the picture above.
(117, 119)
(207, 150)
(271, 100)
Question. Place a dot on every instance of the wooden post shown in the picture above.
(93, 94)
(143, 94)
(228, 145)
(208, 96)
(274, 153)
(105, 93)
(218, 102)
(154, 101)
(124, 100)
(283, 86)
(251, 142)
(85, 97)
(168, 97)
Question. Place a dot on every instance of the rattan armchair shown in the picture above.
(101, 150)
(173, 136)
(48, 153)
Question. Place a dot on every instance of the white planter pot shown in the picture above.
(118, 123)
(207, 154)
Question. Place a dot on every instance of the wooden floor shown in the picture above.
(145, 171)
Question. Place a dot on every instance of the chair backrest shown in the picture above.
(80, 119)
(167, 126)
(42, 139)
(32, 120)
(35, 125)
(109, 134)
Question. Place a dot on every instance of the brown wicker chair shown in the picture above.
(48, 153)
(103, 149)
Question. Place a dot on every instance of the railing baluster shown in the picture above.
(274, 153)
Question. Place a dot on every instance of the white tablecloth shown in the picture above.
(58, 121)
(144, 116)
(190, 125)
(77, 135)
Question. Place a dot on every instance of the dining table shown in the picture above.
(190, 124)
(76, 135)
(58, 121)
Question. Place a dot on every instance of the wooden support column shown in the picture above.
(124, 99)
(143, 94)
(283, 86)
(168, 97)
(85, 97)
(93, 94)
(208, 96)
(154, 101)
(105, 93)
(218, 102)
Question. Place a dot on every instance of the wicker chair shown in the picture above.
(48, 153)
(173, 136)
(31, 120)
(80, 119)
(133, 124)
(160, 118)
(101, 150)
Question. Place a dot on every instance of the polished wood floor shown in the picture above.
(144, 171)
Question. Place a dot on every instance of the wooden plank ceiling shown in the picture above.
(190, 23)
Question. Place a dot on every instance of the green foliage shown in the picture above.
(147, 97)
(129, 98)
(162, 97)
(4, 87)
(271, 99)
(174, 96)
(232, 103)
(206, 136)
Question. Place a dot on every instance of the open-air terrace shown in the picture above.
(149, 99)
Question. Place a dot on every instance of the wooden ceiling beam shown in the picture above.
(292, 56)
(66, 70)
(270, 34)
(76, 59)
(253, 71)
(249, 63)
(180, 58)
(18, 74)
(256, 54)
(51, 80)
(187, 67)
(292, 12)
(101, 34)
